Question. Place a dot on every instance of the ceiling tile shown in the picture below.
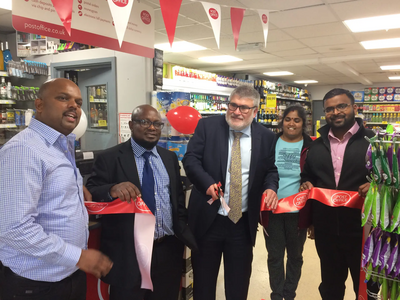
(377, 35)
(302, 17)
(366, 8)
(296, 52)
(339, 49)
(284, 45)
(317, 30)
(328, 40)
(279, 4)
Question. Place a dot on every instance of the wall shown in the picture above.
(134, 74)
(318, 91)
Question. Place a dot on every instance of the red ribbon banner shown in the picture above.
(117, 207)
(334, 198)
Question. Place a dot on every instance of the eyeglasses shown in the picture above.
(244, 109)
(339, 107)
(147, 124)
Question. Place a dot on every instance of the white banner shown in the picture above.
(264, 16)
(120, 11)
(213, 12)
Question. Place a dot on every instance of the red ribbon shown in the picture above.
(334, 198)
(117, 207)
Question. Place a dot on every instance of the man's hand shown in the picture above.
(363, 189)
(310, 231)
(87, 196)
(271, 199)
(126, 191)
(212, 191)
(94, 262)
(305, 186)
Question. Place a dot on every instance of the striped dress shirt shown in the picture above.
(43, 220)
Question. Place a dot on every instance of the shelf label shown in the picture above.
(102, 123)
(271, 100)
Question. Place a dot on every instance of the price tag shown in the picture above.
(91, 98)
(271, 100)
(263, 106)
(102, 123)
(384, 122)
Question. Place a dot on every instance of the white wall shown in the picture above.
(134, 74)
(318, 91)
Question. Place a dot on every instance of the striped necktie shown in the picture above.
(235, 187)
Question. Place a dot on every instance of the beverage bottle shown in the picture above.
(100, 113)
(9, 90)
(6, 56)
(1, 58)
(3, 88)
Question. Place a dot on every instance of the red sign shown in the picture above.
(213, 13)
(264, 18)
(120, 3)
(146, 17)
(340, 198)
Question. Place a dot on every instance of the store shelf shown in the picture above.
(268, 125)
(379, 102)
(291, 99)
(7, 101)
(8, 126)
(195, 86)
(98, 101)
(379, 123)
(212, 112)
(381, 112)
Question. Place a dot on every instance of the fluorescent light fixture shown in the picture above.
(380, 44)
(373, 23)
(179, 47)
(306, 81)
(220, 59)
(280, 73)
(394, 78)
(394, 67)
(5, 4)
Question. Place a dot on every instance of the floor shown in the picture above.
(259, 283)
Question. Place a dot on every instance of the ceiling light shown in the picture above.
(179, 47)
(394, 78)
(220, 59)
(306, 81)
(380, 44)
(5, 4)
(373, 23)
(280, 73)
(394, 67)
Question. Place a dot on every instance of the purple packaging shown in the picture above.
(392, 259)
(397, 90)
(389, 97)
(390, 90)
(377, 251)
(382, 90)
(368, 250)
(384, 255)
(381, 97)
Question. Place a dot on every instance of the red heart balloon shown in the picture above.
(184, 119)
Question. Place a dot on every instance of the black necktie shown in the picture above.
(148, 184)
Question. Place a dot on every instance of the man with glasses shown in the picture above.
(140, 168)
(238, 153)
(337, 161)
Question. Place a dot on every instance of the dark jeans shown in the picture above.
(283, 234)
(233, 241)
(14, 287)
(166, 273)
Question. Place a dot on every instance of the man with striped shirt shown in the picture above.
(44, 223)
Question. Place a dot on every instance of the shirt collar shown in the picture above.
(139, 150)
(49, 134)
(352, 131)
(245, 131)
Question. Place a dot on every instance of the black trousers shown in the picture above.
(284, 236)
(14, 287)
(166, 274)
(234, 243)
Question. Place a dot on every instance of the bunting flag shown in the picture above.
(328, 197)
(237, 15)
(143, 227)
(64, 11)
(213, 12)
(264, 16)
(120, 12)
(170, 11)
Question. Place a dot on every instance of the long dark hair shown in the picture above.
(300, 112)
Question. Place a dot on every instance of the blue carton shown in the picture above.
(178, 147)
(358, 96)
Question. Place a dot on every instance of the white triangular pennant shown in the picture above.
(264, 16)
(120, 12)
(213, 12)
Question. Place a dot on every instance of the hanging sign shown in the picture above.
(170, 11)
(264, 16)
(237, 15)
(213, 12)
(64, 11)
(91, 24)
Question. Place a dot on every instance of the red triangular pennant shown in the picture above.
(237, 15)
(64, 11)
(170, 10)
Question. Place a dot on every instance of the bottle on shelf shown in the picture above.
(9, 90)
(3, 88)
(1, 58)
(6, 56)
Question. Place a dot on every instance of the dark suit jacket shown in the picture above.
(116, 165)
(206, 162)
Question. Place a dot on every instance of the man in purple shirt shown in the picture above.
(336, 161)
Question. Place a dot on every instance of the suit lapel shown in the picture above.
(126, 159)
(255, 152)
(224, 142)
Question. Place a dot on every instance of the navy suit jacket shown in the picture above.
(206, 162)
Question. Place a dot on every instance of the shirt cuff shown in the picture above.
(71, 256)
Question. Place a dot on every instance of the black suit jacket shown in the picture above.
(206, 162)
(116, 165)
